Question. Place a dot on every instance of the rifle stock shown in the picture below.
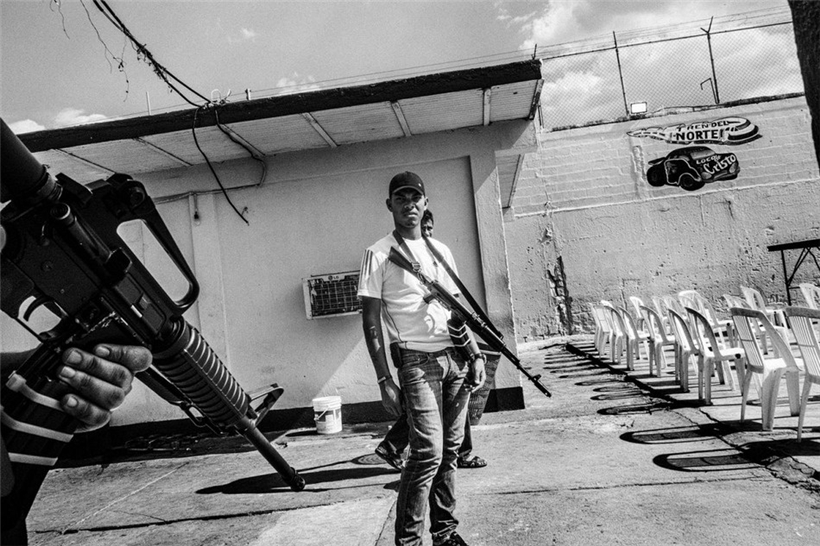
(476, 324)
(61, 251)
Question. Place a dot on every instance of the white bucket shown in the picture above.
(327, 412)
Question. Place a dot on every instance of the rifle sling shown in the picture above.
(467, 295)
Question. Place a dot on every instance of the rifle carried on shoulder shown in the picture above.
(61, 251)
(476, 323)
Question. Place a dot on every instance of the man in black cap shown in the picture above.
(392, 447)
(435, 379)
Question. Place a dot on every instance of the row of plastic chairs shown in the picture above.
(709, 346)
(751, 299)
(620, 332)
(689, 323)
(755, 300)
(679, 303)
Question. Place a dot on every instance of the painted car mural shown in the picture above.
(692, 167)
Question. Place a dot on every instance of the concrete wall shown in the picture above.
(314, 214)
(584, 198)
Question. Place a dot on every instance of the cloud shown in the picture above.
(296, 84)
(556, 24)
(513, 20)
(244, 35)
(25, 126)
(562, 21)
(575, 97)
(69, 117)
(582, 88)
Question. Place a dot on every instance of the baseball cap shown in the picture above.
(406, 180)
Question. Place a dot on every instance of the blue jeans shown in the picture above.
(435, 400)
(398, 437)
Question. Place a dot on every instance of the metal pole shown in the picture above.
(786, 277)
(620, 72)
(712, 60)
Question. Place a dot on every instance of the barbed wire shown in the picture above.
(747, 21)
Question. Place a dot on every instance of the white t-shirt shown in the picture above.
(410, 321)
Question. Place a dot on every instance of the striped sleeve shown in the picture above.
(371, 275)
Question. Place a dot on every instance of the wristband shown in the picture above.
(476, 356)
(383, 379)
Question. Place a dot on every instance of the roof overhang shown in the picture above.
(326, 118)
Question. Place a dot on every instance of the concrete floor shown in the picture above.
(610, 459)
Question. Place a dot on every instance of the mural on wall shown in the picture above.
(693, 167)
(727, 131)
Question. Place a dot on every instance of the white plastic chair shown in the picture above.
(636, 311)
(686, 348)
(805, 333)
(735, 301)
(603, 329)
(660, 309)
(756, 301)
(722, 328)
(616, 333)
(719, 325)
(617, 339)
(673, 303)
(811, 294)
(634, 338)
(741, 303)
(770, 370)
(691, 298)
(773, 312)
(712, 354)
(658, 339)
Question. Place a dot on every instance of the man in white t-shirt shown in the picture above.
(435, 379)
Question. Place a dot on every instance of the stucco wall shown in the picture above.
(314, 214)
(584, 198)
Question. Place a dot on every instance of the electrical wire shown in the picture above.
(211, 167)
(230, 134)
(163, 73)
(166, 75)
(781, 16)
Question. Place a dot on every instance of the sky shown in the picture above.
(63, 63)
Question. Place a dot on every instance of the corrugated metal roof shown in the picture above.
(316, 119)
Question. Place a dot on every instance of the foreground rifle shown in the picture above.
(61, 251)
(476, 324)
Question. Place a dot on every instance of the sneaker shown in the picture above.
(454, 540)
(393, 459)
(473, 462)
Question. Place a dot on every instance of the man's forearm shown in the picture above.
(472, 345)
(375, 347)
(373, 336)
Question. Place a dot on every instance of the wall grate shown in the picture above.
(331, 295)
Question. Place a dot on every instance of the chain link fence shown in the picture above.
(604, 82)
